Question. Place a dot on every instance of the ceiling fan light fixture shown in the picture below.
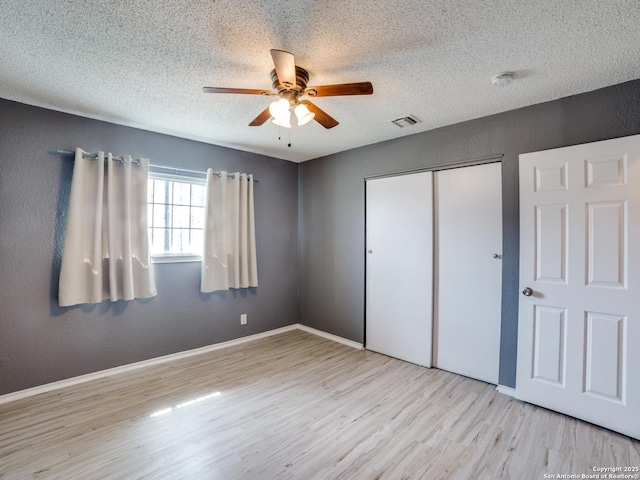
(283, 120)
(303, 114)
(280, 109)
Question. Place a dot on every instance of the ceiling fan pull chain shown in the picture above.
(289, 144)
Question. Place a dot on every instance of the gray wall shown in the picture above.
(318, 241)
(42, 343)
(332, 221)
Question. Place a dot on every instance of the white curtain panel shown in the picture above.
(229, 256)
(106, 244)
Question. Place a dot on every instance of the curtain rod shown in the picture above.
(136, 161)
(93, 156)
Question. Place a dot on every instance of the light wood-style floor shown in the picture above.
(295, 406)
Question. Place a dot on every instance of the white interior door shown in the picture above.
(579, 330)
(399, 266)
(468, 270)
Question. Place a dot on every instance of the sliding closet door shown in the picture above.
(399, 263)
(468, 270)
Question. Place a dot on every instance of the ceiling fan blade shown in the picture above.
(246, 91)
(322, 117)
(260, 119)
(285, 67)
(359, 88)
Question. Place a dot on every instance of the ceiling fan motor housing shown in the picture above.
(302, 78)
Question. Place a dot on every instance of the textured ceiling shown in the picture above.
(143, 63)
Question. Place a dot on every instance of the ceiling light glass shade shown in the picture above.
(303, 114)
(279, 109)
(283, 120)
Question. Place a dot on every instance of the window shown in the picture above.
(175, 217)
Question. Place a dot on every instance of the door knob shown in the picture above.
(497, 255)
(527, 292)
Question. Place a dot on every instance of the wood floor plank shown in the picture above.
(295, 406)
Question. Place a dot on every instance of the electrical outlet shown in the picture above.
(243, 319)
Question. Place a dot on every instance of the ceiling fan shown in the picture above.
(290, 84)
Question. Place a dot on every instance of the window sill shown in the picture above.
(175, 258)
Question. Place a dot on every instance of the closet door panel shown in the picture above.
(468, 270)
(399, 266)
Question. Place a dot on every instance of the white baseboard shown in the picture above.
(506, 390)
(29, 392)
(48, 387)
(329, 336)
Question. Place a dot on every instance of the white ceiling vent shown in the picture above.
(406, 121)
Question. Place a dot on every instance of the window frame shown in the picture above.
(195, 178)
